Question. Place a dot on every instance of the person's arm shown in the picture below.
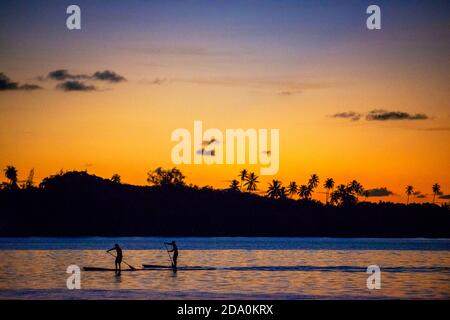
(170, 250)
(110, 249)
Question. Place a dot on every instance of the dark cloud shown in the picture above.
(7, 84)
(379, 192)
(354, 116)
(384, 115)
(107, 75)
(206, 143)
(446, 197)
(63, 74)
(208, 153)
(74, 85)
(419, 195)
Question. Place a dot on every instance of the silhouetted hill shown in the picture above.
(79, 204)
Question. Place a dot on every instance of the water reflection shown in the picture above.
(242, 273)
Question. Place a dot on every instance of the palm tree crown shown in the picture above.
(251, 182)
(243, 175)
(436, 190)
(234, 185)
(313, 181)
(276, 190)
(11, 175)
(292, 188)
(329, 185)
(304, 192)
(409, 191)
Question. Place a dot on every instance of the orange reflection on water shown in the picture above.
(267, 274)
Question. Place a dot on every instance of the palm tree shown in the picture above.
(234, 185)
(243, 175)
(292, 189)
(357, 188)
(343, 195)
(252, 181)
(116, 178)
(275, 189)
(409, 191)
(329, 185)
(304, 192)
(11, 175)
(436, 190)
(313, 181)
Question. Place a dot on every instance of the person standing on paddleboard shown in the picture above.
(175, 253)
(119, 257)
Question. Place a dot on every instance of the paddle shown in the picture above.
(170, 257)
(130, 266)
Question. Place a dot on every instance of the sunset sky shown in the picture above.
(310, 68)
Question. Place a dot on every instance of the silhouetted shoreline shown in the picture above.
(80, 204)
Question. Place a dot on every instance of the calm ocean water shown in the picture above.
(243, 268)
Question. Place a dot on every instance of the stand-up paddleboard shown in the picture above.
(107, 269)
(158, 267)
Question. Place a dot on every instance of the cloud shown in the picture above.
(63, 74)
(208, 153)
(7, 84)
(446, 197)
(354, 116)
(74, 85)
(72, 82)
(206, 143)
(419, 195)
(108, 75)
(384, 115)
(379, 192)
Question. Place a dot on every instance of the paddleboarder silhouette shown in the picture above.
(175, 253)
(119, 257)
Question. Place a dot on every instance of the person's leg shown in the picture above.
(175, 261)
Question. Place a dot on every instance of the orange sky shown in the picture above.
(293, 81)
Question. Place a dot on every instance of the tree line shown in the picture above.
(343, 194)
